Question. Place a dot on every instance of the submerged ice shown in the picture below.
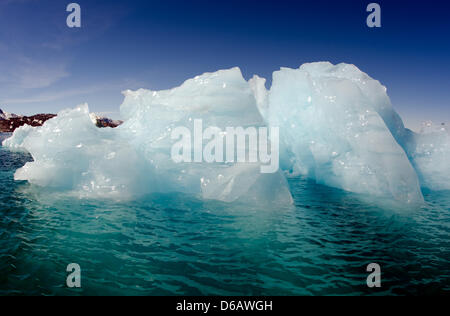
(337, 126)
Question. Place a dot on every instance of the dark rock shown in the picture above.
(9, 125)
(106, 122)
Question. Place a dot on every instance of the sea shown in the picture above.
(174, 244)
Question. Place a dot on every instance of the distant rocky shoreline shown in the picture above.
(10, 122)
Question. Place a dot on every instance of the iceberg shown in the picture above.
(70, 153)
(338, 127)
(17, 139)
(429, 152)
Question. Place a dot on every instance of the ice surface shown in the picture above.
(429, 152)
(70, 153)
(17, 139)
(338, 127)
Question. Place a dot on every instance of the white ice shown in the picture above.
(337, 127)
(429, 152)
(71, 153)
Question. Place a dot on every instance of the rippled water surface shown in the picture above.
(174, 244)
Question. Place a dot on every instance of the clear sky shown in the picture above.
(46, 66)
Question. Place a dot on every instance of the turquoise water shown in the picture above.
(178, 245)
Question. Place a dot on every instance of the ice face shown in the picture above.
(16, 140)
(429, 152)
(71, 154)
(337, 126)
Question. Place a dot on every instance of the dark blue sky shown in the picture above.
(46, 66)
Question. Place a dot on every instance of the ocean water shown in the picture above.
(174, 244)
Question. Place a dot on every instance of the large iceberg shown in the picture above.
(71, 153)
(337, 126)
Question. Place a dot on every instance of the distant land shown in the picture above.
(9, 121)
